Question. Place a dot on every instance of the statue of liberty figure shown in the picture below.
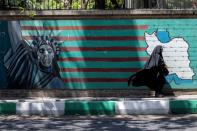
(31, 66)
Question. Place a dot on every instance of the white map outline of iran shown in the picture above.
(175, 54)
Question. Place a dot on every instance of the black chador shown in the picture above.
(153, 74)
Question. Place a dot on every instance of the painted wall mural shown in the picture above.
(94, 54)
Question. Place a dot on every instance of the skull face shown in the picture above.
(45, 55)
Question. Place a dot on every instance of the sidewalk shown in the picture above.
(99, 123)
(184, 104)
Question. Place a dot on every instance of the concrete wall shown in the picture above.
(102, 51)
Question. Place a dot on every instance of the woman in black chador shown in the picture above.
(153, 74)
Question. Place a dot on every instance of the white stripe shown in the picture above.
(142, 107)
(55, 108)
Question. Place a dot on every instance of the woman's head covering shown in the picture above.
(155, 57)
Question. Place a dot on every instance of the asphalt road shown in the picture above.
(100, 123)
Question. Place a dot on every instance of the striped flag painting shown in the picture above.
(95, 54)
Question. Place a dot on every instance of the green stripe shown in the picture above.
(193, 62)
(103, 54)
(192, 85)
(90, 108)
(31, 22)
(8, 108)
(80, 22)
(183, 106)
(91, 43)
(192, 57)
(193, 53)
(83, 33)
(95, 74)
(167, 22)
(100, 85)
(101, 64)
(97, 85)
(153, 23)
(103, 43)
(179, 32)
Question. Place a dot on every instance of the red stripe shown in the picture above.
(99, 69)
(100, 38)
(105, 59)
(103, 49)
(95, 80)
(115, 27)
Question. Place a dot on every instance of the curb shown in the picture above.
(145, 107)
(99, 107)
